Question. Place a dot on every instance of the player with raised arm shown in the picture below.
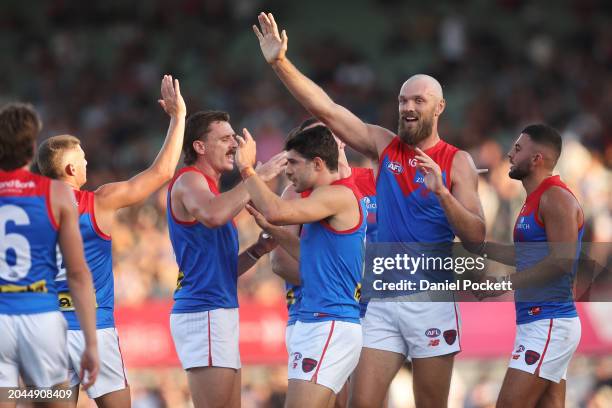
(62, 158)
(426, 192)
(36, 214)
(326, 341)
(547, 236)
(204, 319)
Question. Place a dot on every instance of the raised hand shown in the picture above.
(272, 167)
(431, 172)
(273, 45)
(247, 150)
(172, 100)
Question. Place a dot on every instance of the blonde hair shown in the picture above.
(50, 153)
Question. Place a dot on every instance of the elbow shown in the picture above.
(273, 216)
(210, 220)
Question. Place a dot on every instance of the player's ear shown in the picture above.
(319, 164)
(440, 106)
(199, 147)
(70, 170)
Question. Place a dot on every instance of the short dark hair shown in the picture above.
(545, 135)
(197, 128)
(49, 157)
(317, 141)
(19, 128)
(306, 123)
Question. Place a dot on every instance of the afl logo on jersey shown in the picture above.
(395, 167)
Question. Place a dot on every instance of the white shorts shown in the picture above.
(414, 329)
(206, 339)
(33, 346)
(111, 376)
(325, 353)
(545, 347)
(288, 333)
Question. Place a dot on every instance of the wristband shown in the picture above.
(247, 172)
(250, 254)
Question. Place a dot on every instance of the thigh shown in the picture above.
(431, 380)
(112, 380)
(430, 328)
(211, 387)
(306, 394)
(325, 353)
(372, 377)
(554, 396)
(521, 389)
(42, 349)
(9, 360)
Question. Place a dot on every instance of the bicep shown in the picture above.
(316, 207)
(369, 140)
(125, 193)
(465, 183)
(195, 196)
(69, 235)
(558, 211)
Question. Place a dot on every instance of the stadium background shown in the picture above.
(93, 70)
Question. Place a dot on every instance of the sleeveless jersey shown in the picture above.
(407, 210)
(97, 247)
(207, 260)
(557, 296)
(28, 238)
(364, 181)
(331, 277)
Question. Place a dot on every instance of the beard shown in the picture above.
(519, 172)
(412, 136)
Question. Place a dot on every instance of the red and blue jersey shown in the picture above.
(97, 247)
(331, 279)
(530, 248)
(363, 179)
(407, 210)
(28, 240)
(207, 259)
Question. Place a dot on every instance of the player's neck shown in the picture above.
(429, 142)
(532, 182)
(206, 168)
(71, 181)
(326, 179)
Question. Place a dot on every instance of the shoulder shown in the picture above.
(558, 199)
(463, 165)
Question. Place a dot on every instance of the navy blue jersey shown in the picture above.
(529, 228)
(207, 259)
(28, 240)
(331, 264)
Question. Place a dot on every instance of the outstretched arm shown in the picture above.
(122, 194)
(367, 139)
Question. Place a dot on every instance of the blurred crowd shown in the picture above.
(95, 72)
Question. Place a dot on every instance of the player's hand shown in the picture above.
(431, 172)
(272, 167)
(273, 45)
(172, 100)
(483, 294)
(259, 218)
(246, 152)
(90, 365)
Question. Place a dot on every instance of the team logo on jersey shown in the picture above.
(520, 349)
(308, 364)
(531, 357)
(434, 342)
(433, 332)
(516, 356)
(534, 311)
(450, 336)
(395, 167)
(522, 225)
